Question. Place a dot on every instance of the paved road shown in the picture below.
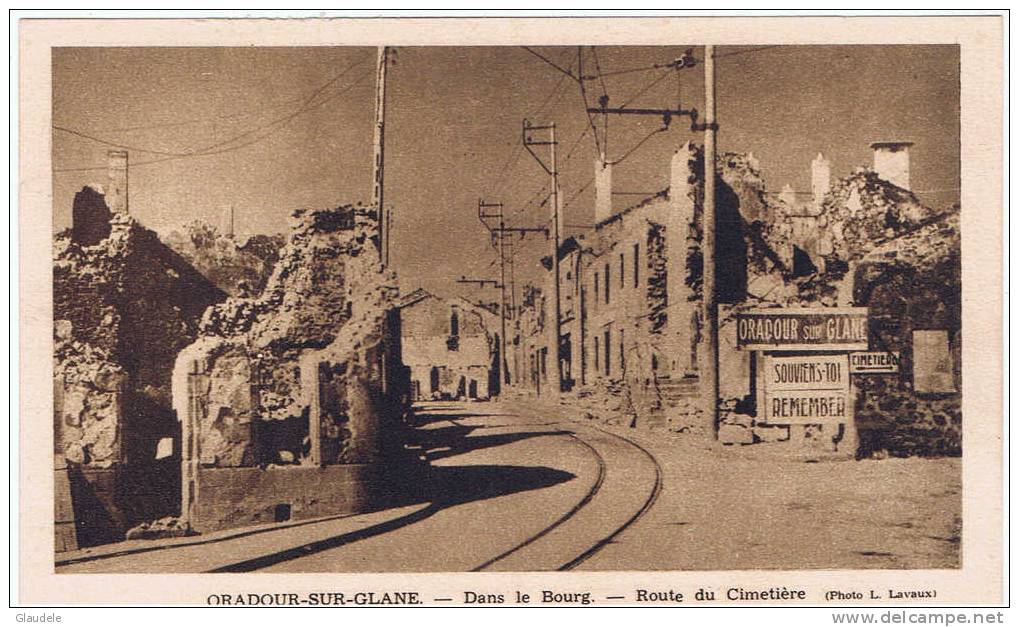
(509, 491)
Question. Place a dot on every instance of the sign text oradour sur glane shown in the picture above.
(803, 329)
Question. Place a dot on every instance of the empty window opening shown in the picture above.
(622, 350)
(607, 342)
(607, 283)
(636, 264)
(802, 264)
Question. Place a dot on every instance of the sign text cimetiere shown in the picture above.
(874, 362)
(803, 329)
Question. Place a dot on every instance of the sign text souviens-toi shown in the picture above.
(802, 328)
(805, 389)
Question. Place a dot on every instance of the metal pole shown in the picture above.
(389, 233)
(709, 367)
(378, 144)
(503, 361)
(555, 259)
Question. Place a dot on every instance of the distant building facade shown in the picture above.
(632, 331)
(451, 347)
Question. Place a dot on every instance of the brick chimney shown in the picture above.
(602, 191)
(227, 221)
(680, 174)
(788, 196)
(116, 193)
(820, 179)
(891, 162)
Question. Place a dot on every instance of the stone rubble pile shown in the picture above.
(325, 299)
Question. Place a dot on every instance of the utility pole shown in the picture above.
(378, 144)
(707, 363)
(685, 61)
(556, 216)
(500, 234)
(388, 232)
(709, 367)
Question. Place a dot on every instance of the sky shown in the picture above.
(282, 129)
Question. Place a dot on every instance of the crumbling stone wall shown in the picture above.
(308, 372)
(123, 306)
(363, 386)
(657, 280)
(887, 252)
(913, 282)
(90, 217)
(238, 267)
(863, 210)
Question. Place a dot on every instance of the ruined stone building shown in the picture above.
(632, 328)
(238, 266)
(452, 347)
(292, 402)
(124, 305)
(202, 408)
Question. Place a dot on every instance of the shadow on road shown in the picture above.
(477, 442)
(444, 487)
(441, 487)
(422, 419)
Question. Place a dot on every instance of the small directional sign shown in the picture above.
(874, 362)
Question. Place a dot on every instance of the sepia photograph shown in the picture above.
(541, 307)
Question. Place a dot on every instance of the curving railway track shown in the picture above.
(522, 492)
(579, 509)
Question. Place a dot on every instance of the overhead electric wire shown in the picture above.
(304, 107)
(745, 51)
(646, 88)
(287, 104)
(583, 95)
(569, 153)
(637, 146)
(121, 145)
(211, 149)
(550, 62)
(601, 75)
(270, 129)
(497, 187)
(577, 193)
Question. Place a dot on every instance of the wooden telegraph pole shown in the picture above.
(499, 236)
(709, 366)
(507, 305)
(378, 143)
(707, 360)
(553, 172)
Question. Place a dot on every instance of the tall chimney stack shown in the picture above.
(227, 221)
(788, 196)
(681, 174)
(116, 194)
(820, 179)
(602, 190)
(891, 162)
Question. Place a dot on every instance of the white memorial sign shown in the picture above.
(806, 390)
